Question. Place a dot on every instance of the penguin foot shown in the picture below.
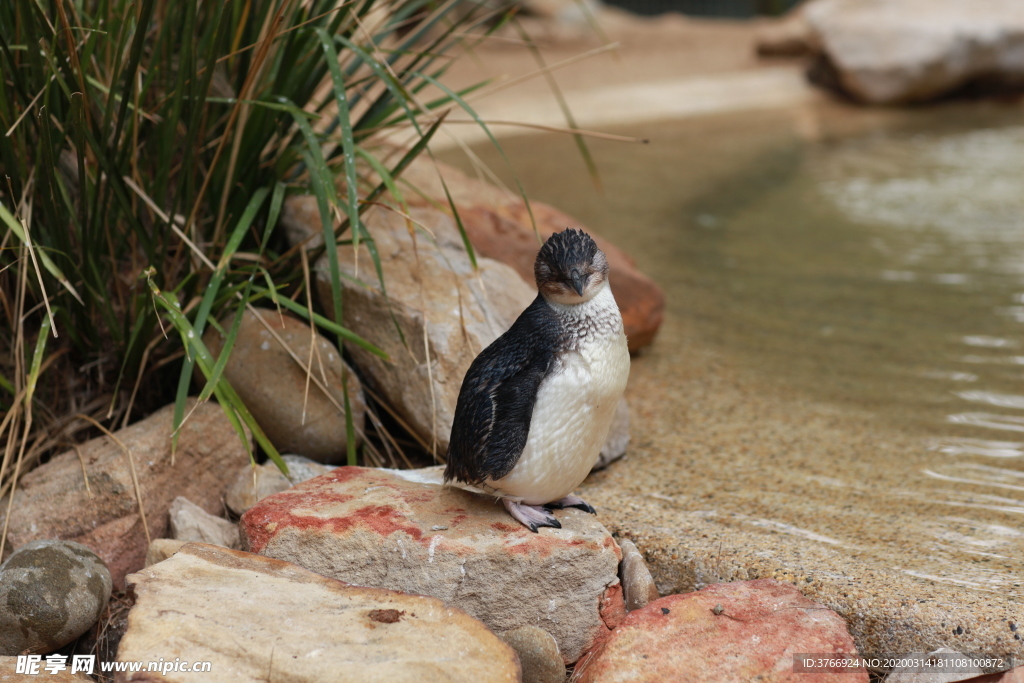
(531, 516)
(573, 502)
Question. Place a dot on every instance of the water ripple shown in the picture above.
(993, 399)
(992, 449)
(1008, 423)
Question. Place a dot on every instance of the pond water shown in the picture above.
(867, 262)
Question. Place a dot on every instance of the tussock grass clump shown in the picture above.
(146, 148)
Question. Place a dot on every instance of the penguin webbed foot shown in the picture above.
(531, 516)
(571, 501)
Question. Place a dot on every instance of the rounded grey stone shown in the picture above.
(638, 587)
(538, 654)
(51, 592)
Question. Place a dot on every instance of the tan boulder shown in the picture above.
(436, 299)
(538, 654)
(742, 631)
(273, 385)
(255, 619)
(52, 501)
(387, 528)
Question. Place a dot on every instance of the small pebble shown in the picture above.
(638, 586)
(538, 654)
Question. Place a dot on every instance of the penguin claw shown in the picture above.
(573, 502)
(531, 516)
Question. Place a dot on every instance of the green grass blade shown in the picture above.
(329, 325)
(348, 144)
(225, 393)
(15, 225)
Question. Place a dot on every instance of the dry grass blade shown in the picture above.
(131, 463)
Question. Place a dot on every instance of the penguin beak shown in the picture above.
(577, 281)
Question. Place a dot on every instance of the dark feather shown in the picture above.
(492, 416)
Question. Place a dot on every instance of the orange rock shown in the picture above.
(498, 225)
(742, 631)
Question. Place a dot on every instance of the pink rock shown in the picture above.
(754, 635)
(375, 528)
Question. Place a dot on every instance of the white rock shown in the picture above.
(258, 619)
(889, 51)
(189, 522)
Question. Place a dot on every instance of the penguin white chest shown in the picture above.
(573, 410)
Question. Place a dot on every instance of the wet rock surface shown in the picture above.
(890, 51)
(52, 501)
(430, 284)
(742, 631)
(375, 528)
(538, 654)
(253, 484)
(189, 522)
(227, 607)
(51, 592)
(297, 416)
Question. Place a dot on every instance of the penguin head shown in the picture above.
(570, 269)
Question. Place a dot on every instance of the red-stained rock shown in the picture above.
(375, 528)
(760, 626)
(53, 500)
(499, 226)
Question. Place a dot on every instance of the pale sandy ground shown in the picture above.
(641, 69)
(721, 458)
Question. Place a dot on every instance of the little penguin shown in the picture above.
(536, 405)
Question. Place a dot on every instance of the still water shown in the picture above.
(868, 260)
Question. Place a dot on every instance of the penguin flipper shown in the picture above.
(495, 406)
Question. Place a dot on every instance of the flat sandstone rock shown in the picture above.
(373, 528)
(258, 619)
